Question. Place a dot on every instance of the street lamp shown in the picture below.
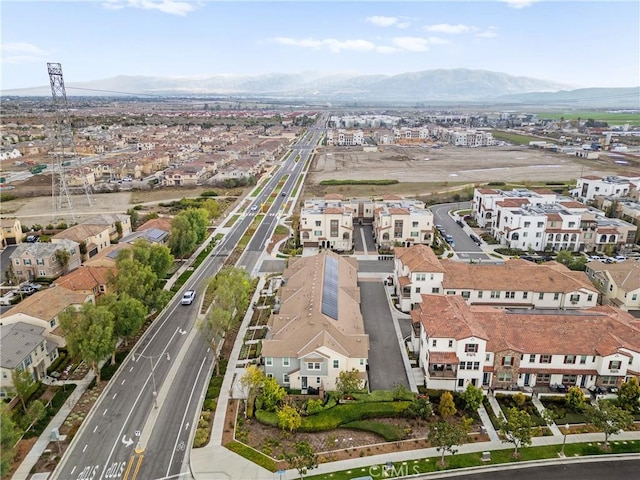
(153, 376)
(564, 441)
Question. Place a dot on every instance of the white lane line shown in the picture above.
(94, 430)
(105, 412)
(85, 447)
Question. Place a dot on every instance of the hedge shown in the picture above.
(253, 455)
(391, 433)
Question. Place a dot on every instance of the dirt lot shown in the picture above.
(455, 164)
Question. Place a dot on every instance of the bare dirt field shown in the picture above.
(417, 164)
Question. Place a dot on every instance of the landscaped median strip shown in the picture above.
(469, 460)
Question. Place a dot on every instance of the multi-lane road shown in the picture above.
(142, 425)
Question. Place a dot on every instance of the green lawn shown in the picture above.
(609, 117)
(231, 221)
(514, 137)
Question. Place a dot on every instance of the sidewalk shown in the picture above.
(24, 470)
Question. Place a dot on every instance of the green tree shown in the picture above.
(251, 381)
(348, 382)
(199, 220)
(35, 412)
(24, 385)
(629, 395)
(516, 428)
(9, 436)
(154, 255)
(519, 399)
(608, 418)
(89, 333)
(133, 213)
(272, 394)
(135, 279)
(289, 418)
(565, 258)
(303, 458)
(183, 238)
(215, 326)
(129, 315)
(472, 397)
(447, 407)
(420, 407)
(231, 289)
(212, 207)
(447, 435)
(575, 399)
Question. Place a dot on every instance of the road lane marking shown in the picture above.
(126, 472)
(114, 396)
(135, 472)
(123, 381)
(73, 470)
(85, 447)
(105, 412)
(94, 430)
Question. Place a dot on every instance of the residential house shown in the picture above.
(618, 282)
(10, 232)
(591, 186)
(402, 222)
(186, 175)
(23, 347)
(87, 279)
(516, 283)
(485, 346)
(41, 260)
(318, 330)
(119, 224)
(91, 238)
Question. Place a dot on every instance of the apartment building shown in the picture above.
(515, 284)
(328, 222)
(317, 330)
(470, 138)
(618, 282)
(485, 346)
(591, 186)
(345, 138)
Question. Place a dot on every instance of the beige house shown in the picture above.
(88, 279)
(618, 282)
(41, 260)
(318, 330)
(91, 238)
(119, 224)
(10, 232)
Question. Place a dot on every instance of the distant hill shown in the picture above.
(439, 86)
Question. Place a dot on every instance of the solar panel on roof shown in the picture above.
(330, 288)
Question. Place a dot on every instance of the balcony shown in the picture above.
(443, 371)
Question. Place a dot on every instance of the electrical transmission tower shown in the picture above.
(65, 156)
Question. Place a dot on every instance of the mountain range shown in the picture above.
(437, 86)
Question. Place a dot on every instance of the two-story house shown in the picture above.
(44, 260)
(618, 282)
(91, 238)
(318, 330)
(10, 232)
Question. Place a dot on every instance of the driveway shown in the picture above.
(363, 239)
(386, 368)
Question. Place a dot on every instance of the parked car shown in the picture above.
(459, 222)
(596, 390)
(253, 208)
(26, 290)
(619, 258)
(188, 297)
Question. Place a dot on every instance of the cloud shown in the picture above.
(490, 32)
(416, 44)
(519, 3)
(172, 7)
(380, 21)
(447, 28)
(22, 52)
(332, 44)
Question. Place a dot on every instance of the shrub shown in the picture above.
(209, 193)
(391, 433)
(253, 455)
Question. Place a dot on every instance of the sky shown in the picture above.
(576, 43)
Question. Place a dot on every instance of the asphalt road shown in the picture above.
(124, 436)
(465, 248)
(596, 470)
(386, 368)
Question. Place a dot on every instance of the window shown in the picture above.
(556, 296)
(269, 375)
(471, 348)
(26, 261)
(487, 357)
(569, 359)
(540, 224)
(507, 361)
(532, 358)
(527, 224)
(545, 358)
(285, 361)
(414, 224)
(504, 376)
(317, 233)
(318, 380)
(417, 289)
(461, 382)
(614, 364)
(40, 261)
(421, 277)
(268, 361)
(569, 379)
(574, 298)
(52, 322)
(538, 235)
(434, 343)
(450, 343)
(480, 294)
(525, 295)
(362, 361)
(42, 273)
(466, 294)
(476, 365)
(451, 292)
(495, 294)
(583, 359)
(431, 276)
(415, 234)
(285, 378)
(509, 294)
(543, 378)
(313, 365)
(318, 223)
(336, 364)
(435, 290)
(333, 229)
(397, 229)
(541, 296)
(634, 297)
(608, 380)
